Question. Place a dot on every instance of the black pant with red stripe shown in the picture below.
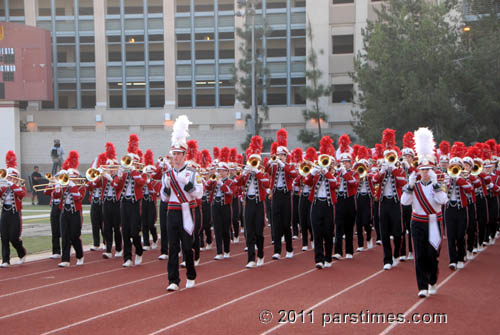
(206, 231)
(492, 213)
(426, 257)
(295, 214)
(482, 218)
(254, 228)
(148, 220)
(222, 220)
(10, 231)
(390, 224)
(363, 218)
(471, 227)
(456, 223)
(196, 234)
(406, 227)
(305, 219)
(55, 228)
(345, 215)
(163, 227)
(130, 212)
(178, 237)
(71, 231)
(376, 219)
(281, 220)
(322, 221)
(235, 220)
(96, 218)
(112, 223)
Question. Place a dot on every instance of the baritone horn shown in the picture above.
(324, 161)
(454, 171)
(361, 169)
(92, 174)
(253, 162)
(305, 168)
(477, 168)
(391, 158)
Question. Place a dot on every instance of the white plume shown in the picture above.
(424, 142)
(180, 129)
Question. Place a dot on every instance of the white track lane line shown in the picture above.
(149, 300)
(373, 275)
(421, 301)
(100, 291)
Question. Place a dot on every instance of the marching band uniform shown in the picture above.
(426, 199)
(391, 181)
(71, 197)
(148, 211)
(163, 211)
(55, 223)
(364, 203)
(323, 198)
(12, 196)
(304, 203)
(128, 187)
(96, 209)
(206, 209)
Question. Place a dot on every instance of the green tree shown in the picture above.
(313, 92)
(408, 72)
(242, 72)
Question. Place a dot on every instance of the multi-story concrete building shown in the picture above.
(133, 66)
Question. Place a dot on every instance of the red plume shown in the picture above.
(133, 144)
(388, 138)
(233, 155)
(344, 141)
(274, 147)
(65, 165)
(216, 152)
(444, 148)
(409, 140)
(224, 154)
(379, 151)
(492, 145)
(205, 158)
(363, 152)
(239, 159)
(257, 144)
(249, 151)
(11, 159)
(311, 154)
(149, 157)
(101, 159)
(355, 150)
(282, 137)
(498, 149)
(457, 150)
(110, 151)
(297, 155)
(473, 152)
(192, 150)
(266, 161)
(140, 154)
(326, 146)
(72, 160)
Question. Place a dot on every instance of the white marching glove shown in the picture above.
(342, 171)
(324, 170)
(108, 177)
(383, 169)
(315, 171)
(281, 164)
(254, 170)
(412, 180)
(71, 184)
(434, 177)
(58, 187)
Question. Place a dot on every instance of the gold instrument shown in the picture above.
(361, 169)
(213, 177)
(391, 158)
(414, 162)
(92, 174)
(477, 168)
(127, 162)
(454, 171)
(253, 162)
(4, 175)
(109, 167)
(274, 158)
(305, 168)
(324, 161)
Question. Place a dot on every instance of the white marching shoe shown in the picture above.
(312, 245)
(21, 260)
(469, 256)
(55, 256)
(433, 289)
(154, 246)
(236, 240)
(410, 256)
(79, 261)
(246, 249)
(379, 242)
(146, 248)
(209, 246)
(369, 244)
(119, 253)
(327, 264)
(260, 261)
(227, 255)
(359, 249)
(138, 260)
(452, 266)
(4, 265)
(107, 255)
(190, 283)
(319, 265)
(63, 265)
(460, 265)
(387, 266)
(163, 257)
(337, 256)
(183, 264)
(173, 287)
(348, 256)
(423, 293)
(304, 248)
(251, 264)
(127, 264)
(402, 258)
(276, 256)
(94, 248)
(289, 254)
(395, 262)
(218, 257)
(197, 262)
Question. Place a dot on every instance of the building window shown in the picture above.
(336, 2)
(342, 93)
(343, 44)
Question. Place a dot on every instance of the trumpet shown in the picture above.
(454, 171)
(305, 168)
(92, 174)
(361, 169)
(4, 175)
(391, 158)
(274, 158)
(109, 167)
(477, 168)
(253, 162)
(324, 161)
(127, 162)
(414, 162)
(213, 177)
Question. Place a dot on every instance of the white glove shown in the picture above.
(281, 164)
(9, 183)
(108, 177)
(434, 177)
(324, 170)
(71, 184)
(254, 170)
(58, 187)
(383, 169)
(342, 170)
(219, 183)
(167, 181)
(406, 164)
(120, 173)
(315, 171)
(490, 186)
(412, 180)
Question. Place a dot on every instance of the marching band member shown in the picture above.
(183, 186)
(255, 183)
(296, 159)
(378, 158)
(493, 191)
(408, 158)
(322, 196)
(426, 198)
(468, 161)
(163, 165)
(148, 210)
(282, 175)
(391, 181)
(221, 197)
(55, 219)
(71, 196)
(12, 193)
(111, 205)
(95, 198)
(364, 203)
(235, 205)
(205, 202)
(304, 204)
(128, 184)
(345, 208)
(456, 209)
(483, 181)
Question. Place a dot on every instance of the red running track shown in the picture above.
(101, 297)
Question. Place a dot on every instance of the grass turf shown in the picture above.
(37, 244)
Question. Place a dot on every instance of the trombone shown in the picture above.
(4, 175)
(127, 162)
(92, 174)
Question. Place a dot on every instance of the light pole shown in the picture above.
(253, 125)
